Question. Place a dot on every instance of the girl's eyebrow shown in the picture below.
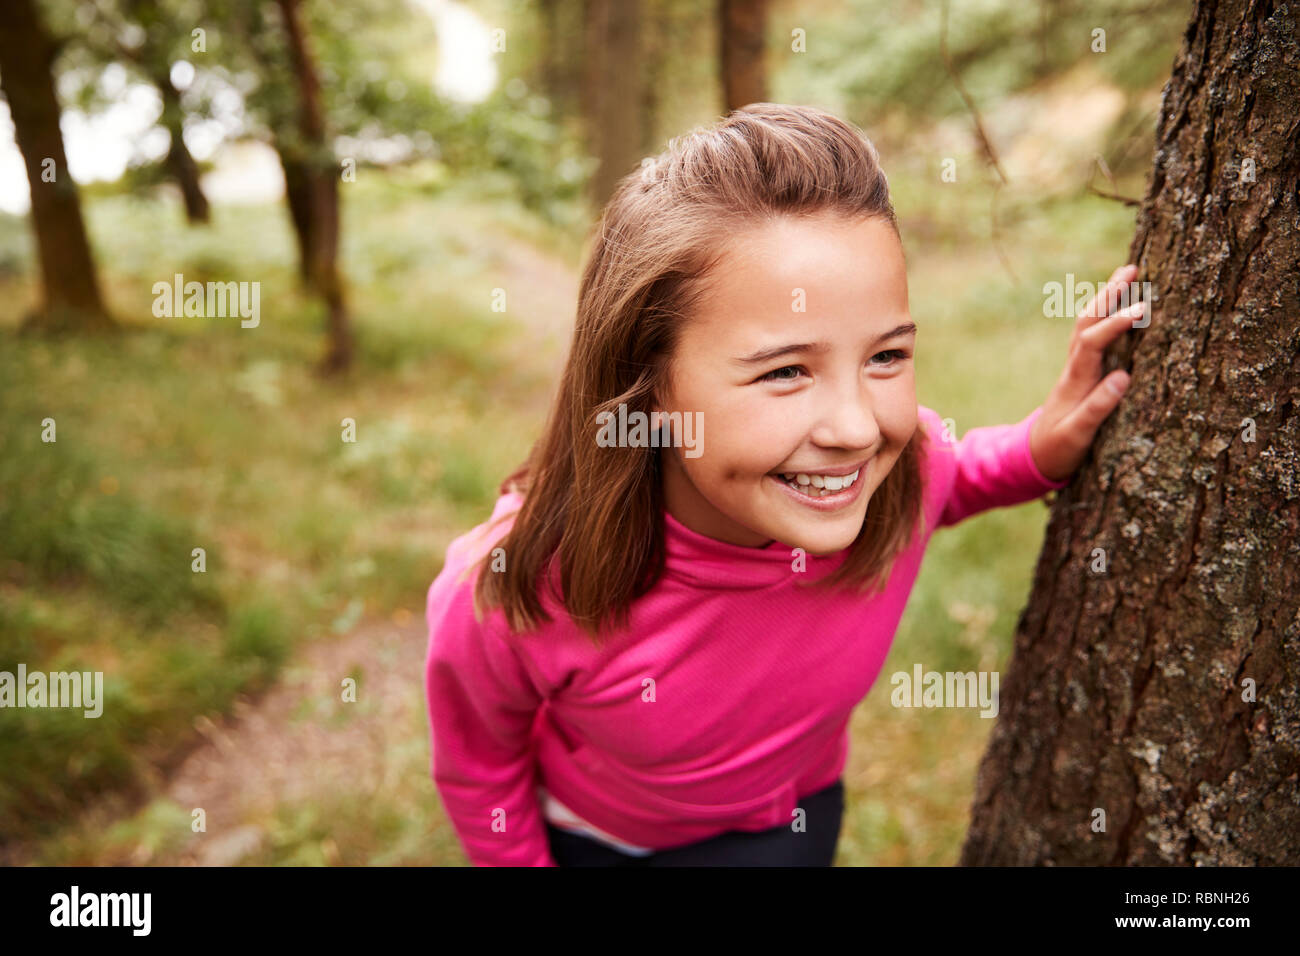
(766, 355)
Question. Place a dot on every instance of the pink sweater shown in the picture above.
(754, 680)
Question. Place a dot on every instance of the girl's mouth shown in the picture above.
(819, 493)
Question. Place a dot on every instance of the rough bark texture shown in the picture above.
(742, 38)
(71, 288)
(311, 186)
(1125, 688)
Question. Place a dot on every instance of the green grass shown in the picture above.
(185, 433)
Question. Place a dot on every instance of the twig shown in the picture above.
(985, 144)
(989, 152)
(1105, 171)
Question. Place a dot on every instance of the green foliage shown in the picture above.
(55, 760)
(514, 132)
(879, 58)
(256, 646)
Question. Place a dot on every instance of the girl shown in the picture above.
(649, 654)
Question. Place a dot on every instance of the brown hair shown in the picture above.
(600, 509)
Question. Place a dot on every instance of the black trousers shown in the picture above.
(779, 846)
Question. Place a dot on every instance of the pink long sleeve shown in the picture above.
(482, 704)
(993, 469)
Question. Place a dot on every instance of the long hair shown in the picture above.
(598, 511)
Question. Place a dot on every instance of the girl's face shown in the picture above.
(798, 361)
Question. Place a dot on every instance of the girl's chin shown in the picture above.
(816, 541)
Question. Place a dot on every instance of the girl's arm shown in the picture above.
(991, 467)
(482, 704)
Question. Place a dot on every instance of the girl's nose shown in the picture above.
(848, 422)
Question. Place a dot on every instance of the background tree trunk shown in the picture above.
(614, 99)
(311, 186)
(68, 277)
(1125, 688)
(562, 54)
(742, 36)
(151, 58)
(179, 160)
(297, 196)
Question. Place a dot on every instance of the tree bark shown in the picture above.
(71, 288)
(1155, 669)
(311, 187)
(742, 36)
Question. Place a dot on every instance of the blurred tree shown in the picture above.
(613, 88)
(570, 66)
(655, 64)
(742, 44)
(559, 60)
(151, 39)
(289, 101)
(1149, 714)
(71, 287)
(311, 174)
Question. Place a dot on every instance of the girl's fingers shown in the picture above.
(1082, 423)
(1083, 367)
(1104, 331)
(1106, 298)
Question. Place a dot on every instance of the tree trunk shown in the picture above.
(657, 16)
(562, 54)
(614, 101)
(742, 36)
(595, 26)
(71, 289)
(311, 187)
(297, 196)
(179, 160)
(1155, 668)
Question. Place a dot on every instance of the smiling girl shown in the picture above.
(647, 657)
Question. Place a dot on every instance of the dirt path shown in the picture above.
(302, 740)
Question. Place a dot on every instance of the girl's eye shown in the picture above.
(898, 354)
(895, 355)
(775, 376)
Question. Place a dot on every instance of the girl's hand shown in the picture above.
(1081, 400)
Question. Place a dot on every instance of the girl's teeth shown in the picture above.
(817, 486)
